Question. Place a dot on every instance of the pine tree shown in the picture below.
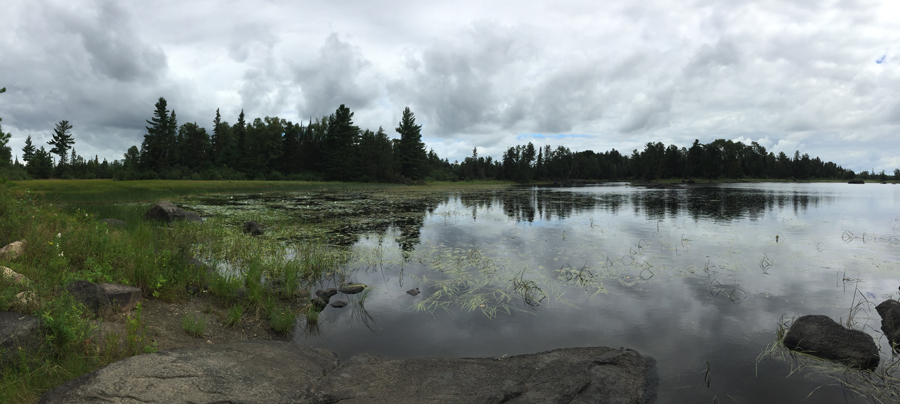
(62, 141)
(5, 151)
(28, 150)
(153, 149)
(339, 144)
(411, 153)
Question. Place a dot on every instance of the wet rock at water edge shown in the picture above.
(823, 337)
(889, 310)
(114, 223)
(413, 292)
(282, 372)
(352, 289)
(318, 303)
(166, 211)
(253, 228)
(326, 294)
(338, 304)
(17, 331)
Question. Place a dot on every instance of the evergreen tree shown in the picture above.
(154, 147)
(239, 152)
(411, 151)
(28, 150)
(62, 141)
(219, 138)
(5, 151)
(339, 145)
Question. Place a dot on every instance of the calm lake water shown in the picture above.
(699, 277)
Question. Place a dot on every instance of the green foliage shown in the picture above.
(64, 326)
(194, 325)
(233, 317)
(62, 141)
(411, 150)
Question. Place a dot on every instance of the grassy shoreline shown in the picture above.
(66, 241)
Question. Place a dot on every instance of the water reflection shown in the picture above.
(695, 276)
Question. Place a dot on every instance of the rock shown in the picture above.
(339, 304)
(821, 336)
(318, 303)
(326, 293)
(18, 331)
(281, 372)
(114, 223)
(253, 228)
(167, 212)
(192, 289)
(14, 276)
(123, 297)
(352, 289)
(13, 250)
(91, 296)
(25, 300)
(413, 292)
(243, 372)
(889, 310)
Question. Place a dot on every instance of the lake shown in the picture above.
(700, 277)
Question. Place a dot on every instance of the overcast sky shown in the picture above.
(818, 76)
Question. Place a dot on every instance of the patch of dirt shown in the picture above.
(165, 329)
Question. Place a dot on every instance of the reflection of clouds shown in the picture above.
(676, 316)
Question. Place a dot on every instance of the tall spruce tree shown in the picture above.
(5, 151)
(154, 149)
(62, 141)
(411, 153)
(339, 144)
(28, 150)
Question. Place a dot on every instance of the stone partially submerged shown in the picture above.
(166, 211)
(281, 372)
(889, 310)
(823, 337)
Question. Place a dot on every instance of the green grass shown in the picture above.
(193, 325)
(67, 242)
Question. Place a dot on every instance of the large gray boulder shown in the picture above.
(167, 212)
(281, 372)
(18, 331)
(244, 372)
(889, 310)
(91, 295)
(823, 337)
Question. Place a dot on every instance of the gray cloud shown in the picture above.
(340, 75)
(795, 73)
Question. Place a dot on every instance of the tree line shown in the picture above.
(333, 148)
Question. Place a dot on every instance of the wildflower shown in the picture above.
(58, 235)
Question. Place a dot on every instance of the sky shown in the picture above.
(821, 77)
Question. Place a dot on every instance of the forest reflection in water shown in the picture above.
(694, 276)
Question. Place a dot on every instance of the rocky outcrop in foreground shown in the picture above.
(823, 337)
(281, 372)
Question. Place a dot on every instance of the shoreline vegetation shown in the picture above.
(67, 241)
(332, 148)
